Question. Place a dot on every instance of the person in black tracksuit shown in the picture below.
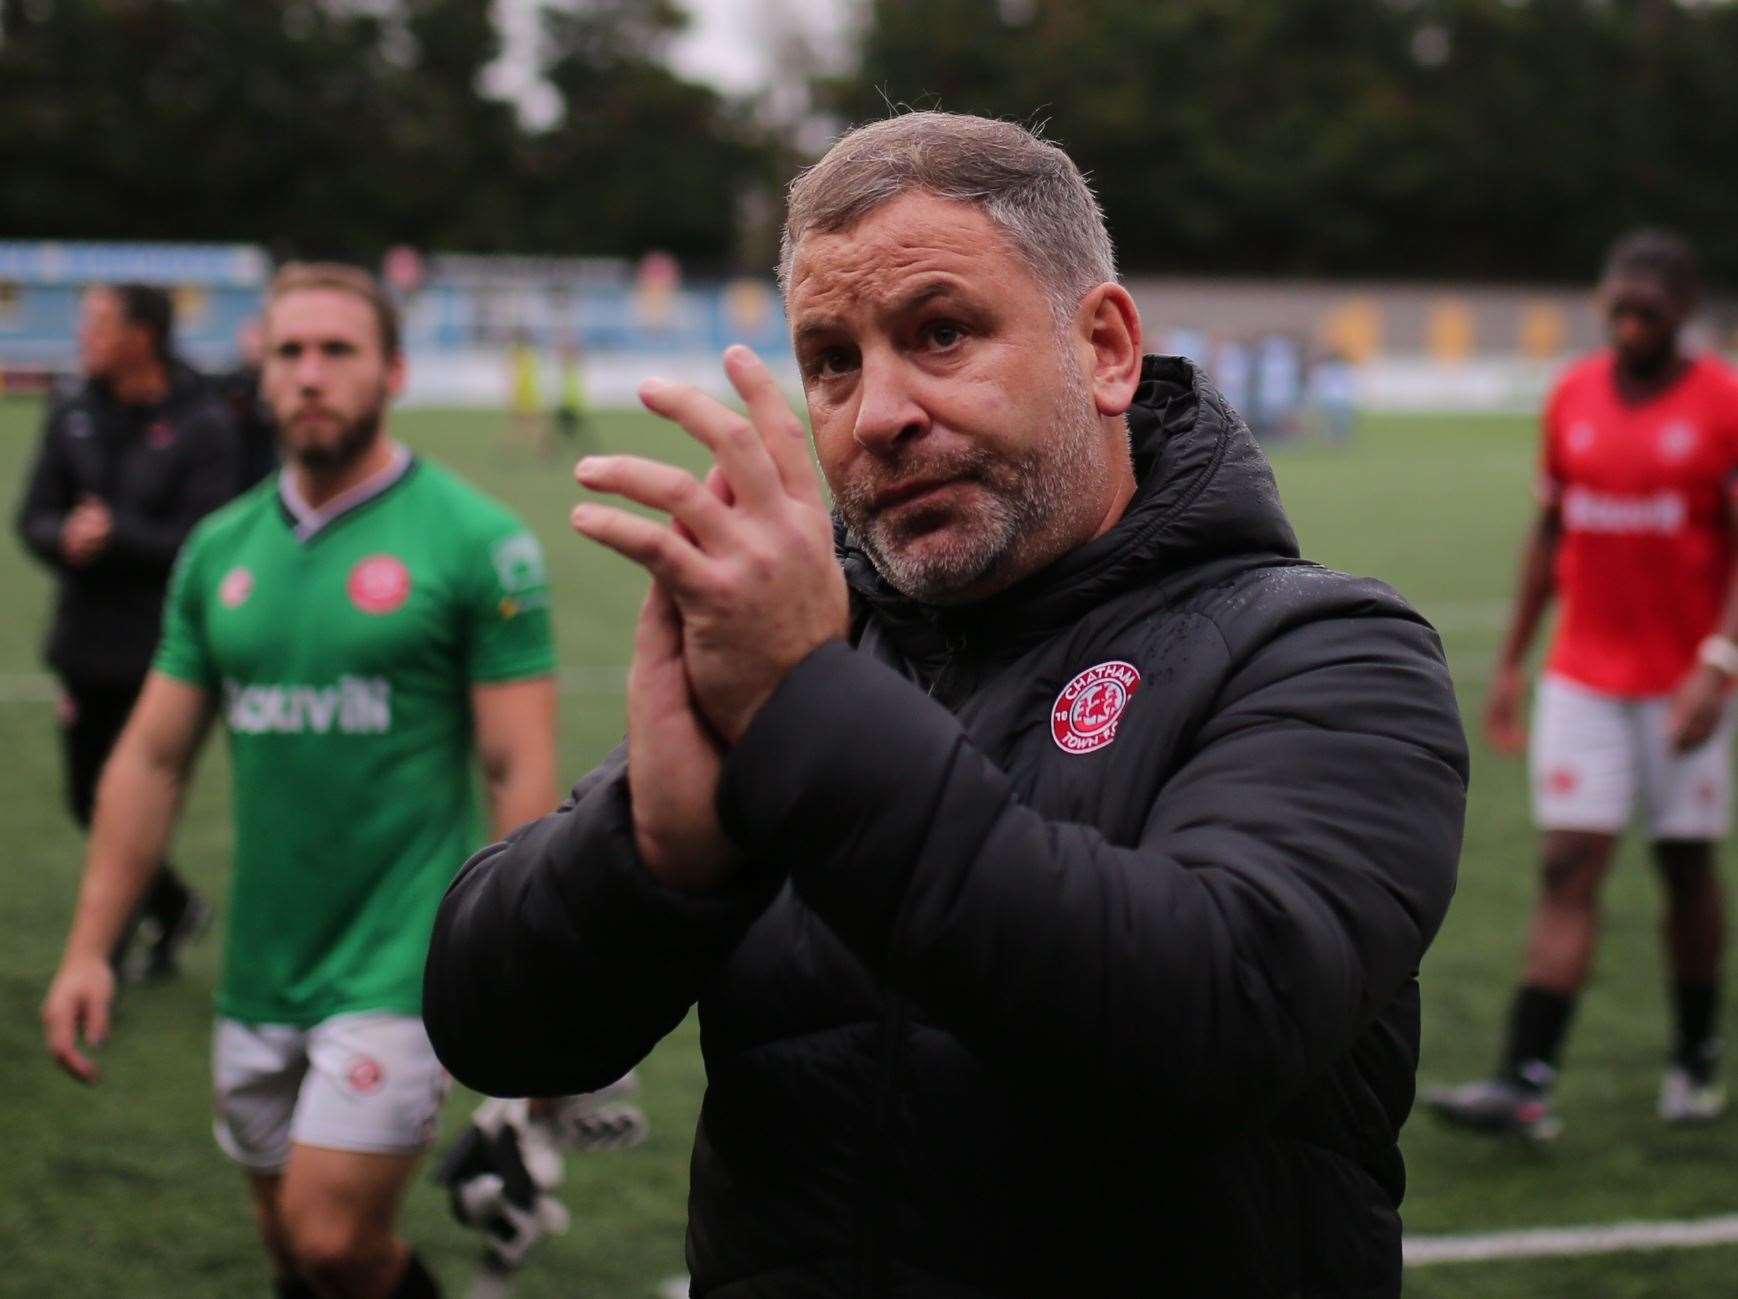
(249, 415)
(1021, 985)
(129, 461)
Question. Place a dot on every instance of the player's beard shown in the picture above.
(355, 437)
(1021, 516)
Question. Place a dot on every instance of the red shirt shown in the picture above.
(1645, 554)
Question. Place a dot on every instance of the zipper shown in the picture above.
(950, 676)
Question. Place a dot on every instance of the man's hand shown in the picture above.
(673, 759)
(753, 577)
(1504, 730)
(1697, 708)
(85, 532)
(78, 1004)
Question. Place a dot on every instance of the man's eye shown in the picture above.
(943, 333)
(830, 360)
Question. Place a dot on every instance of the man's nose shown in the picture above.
(888, 412)
(310, 371)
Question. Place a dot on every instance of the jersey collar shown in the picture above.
(306, 521)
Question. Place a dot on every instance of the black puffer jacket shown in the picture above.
(991, 1017)
(160, 468)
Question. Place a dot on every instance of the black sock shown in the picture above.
(1536, 1027)
(416, 1283)
(293, 1287)
(1696, 1007)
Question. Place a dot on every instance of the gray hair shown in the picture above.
(1028, 188)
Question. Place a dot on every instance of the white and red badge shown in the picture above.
(1085, 715)
(235, 588)
(364, 1074)
(379, 584)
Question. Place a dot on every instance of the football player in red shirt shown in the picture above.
(1635, 536)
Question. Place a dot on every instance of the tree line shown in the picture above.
(1468, 138)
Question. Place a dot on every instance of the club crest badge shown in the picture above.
(364, 1075)
(1085, 715)
(235, 588)
(1677, 441)
(379, 584)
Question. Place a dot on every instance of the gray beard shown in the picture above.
(1022, 517)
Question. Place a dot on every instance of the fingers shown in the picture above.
(660, 487)
(1692, 732)
(781, 432)
(733, 441)
(658, 633)
(671, 559)
(719, 485)
(61, 1022)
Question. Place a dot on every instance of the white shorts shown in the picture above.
(366, 1082)
(1593, 755)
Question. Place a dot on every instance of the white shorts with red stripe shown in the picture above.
(1595, 757)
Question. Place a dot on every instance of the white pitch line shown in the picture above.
(1567, 1242)
(1548, 1242)
(1486, 1247)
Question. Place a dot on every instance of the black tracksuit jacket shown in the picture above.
(159, 468)
(990, 1018)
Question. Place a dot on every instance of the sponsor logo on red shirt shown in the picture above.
(379, 584)
(1085, 715)
(1662, 513)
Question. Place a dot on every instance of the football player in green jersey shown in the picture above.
(363, 623)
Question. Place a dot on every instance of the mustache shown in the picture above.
(861, 491)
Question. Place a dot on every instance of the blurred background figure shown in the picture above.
(1635, 533)
(256, 430)
(1333, 397)
(131, 457)
(527, 423)
(1229, 365)
(571, 420)
(1278, 392)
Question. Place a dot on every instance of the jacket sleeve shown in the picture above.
(47, 499)
(213, 476)
(1291, 873)
(558, 963)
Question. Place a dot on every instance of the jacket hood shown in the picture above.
(1204, 490)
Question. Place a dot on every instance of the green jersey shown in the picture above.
(341, 646)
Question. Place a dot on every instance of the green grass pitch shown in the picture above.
(119, 1189)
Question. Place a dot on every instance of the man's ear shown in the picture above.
(395, 375)
(1108, 330)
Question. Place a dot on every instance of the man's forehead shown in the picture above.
(1643, 284)
(318, 310)
(914, 235)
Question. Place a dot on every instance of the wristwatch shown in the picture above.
(1720, 653)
